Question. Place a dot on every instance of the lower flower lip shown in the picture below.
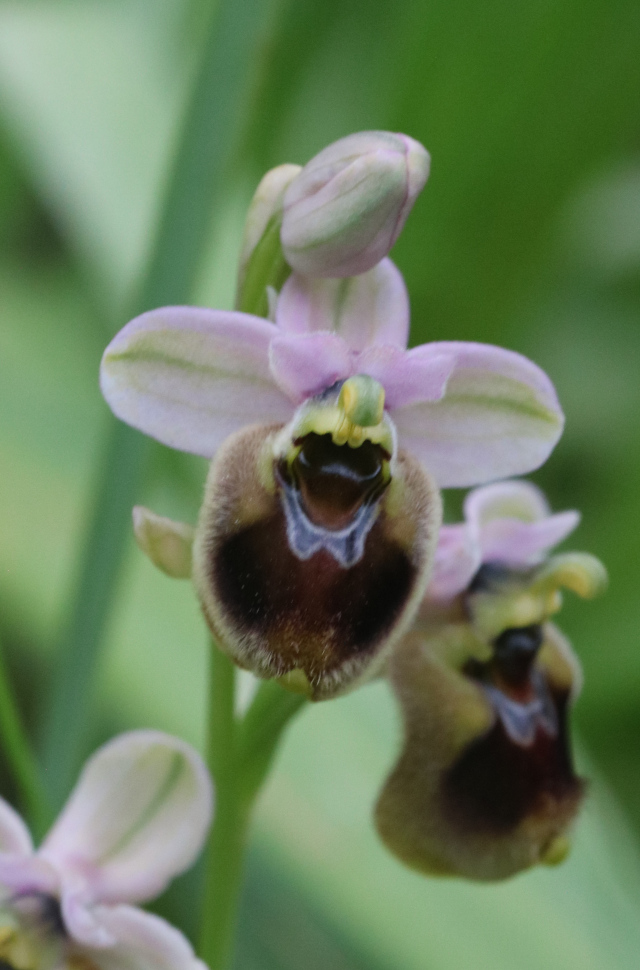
(281, 593)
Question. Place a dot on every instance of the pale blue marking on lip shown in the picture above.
(522, 721)
(305, 538)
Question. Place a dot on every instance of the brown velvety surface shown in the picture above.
(298, 604)
(497, 783)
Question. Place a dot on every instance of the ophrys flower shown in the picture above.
(485, 784)
(330, 439)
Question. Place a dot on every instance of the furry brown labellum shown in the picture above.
(315, 542)
(485, 784)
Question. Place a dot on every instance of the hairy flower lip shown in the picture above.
(484, 787)
(275, 612)
(517, 774)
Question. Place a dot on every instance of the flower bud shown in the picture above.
(262, 262)
(315, 542)
(166, 543)
(347, 207)
(485, 786)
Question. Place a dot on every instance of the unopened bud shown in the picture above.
(262, 262)
(345, 210)
(166, 543)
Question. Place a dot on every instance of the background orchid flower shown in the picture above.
(485, 784)
(338, 412)
(137, 817)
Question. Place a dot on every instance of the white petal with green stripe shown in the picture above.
(499, 417)
(137, 817)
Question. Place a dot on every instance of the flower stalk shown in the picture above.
(225, 849)
(240, 752)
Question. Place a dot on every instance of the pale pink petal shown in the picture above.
(139, 941)
(190, 377)
(137, 817)
(505, 500)
(409, 376)
(369, 309)
(305, 364)
(456, 562)
(14, 834)
(27, 874)
(499, 417)
(515, 542)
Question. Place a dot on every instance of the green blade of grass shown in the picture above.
(221, 101)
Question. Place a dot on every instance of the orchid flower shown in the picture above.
(137, 817)
(485, 785)
(329, 438)
(312, 418)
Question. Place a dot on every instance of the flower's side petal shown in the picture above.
(408, 377)
(305, 364)
(369, 309)
(456, 562)
(137, 817)
(499, 417)
(27, 874)
(190, 377)
(140, 941)
(14, 834)
(505, 500)
(515, 542)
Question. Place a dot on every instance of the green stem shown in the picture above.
(223, 93)
(240, 753)
(270, 712)
(19, 755)
(225, 849)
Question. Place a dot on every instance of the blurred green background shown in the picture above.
(527, 235)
